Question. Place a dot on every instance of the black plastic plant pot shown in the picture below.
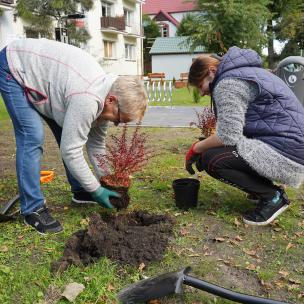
(186, 192)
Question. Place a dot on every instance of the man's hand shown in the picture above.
(102, 197)
(191, 158)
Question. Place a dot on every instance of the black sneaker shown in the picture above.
(267, 211)
(42, 221)
(82, 197)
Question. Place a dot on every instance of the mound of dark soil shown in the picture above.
(133, 238)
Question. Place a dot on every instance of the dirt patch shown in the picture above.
(134, 238)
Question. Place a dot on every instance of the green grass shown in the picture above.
(25, 256)
(3, 112)
(183, 97)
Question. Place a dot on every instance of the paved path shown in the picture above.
(177, 116)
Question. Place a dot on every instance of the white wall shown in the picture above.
(9, 29)
(172, 65)
(118, 65)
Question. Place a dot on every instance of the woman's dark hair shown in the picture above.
(199, 69)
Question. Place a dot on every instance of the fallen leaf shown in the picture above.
(292, 287)
(184, 231)
(87, 279)
(237, 223)
(279, 284)
(294, 281)
(72, 290)
(141, 266)
(219, 239)
(290, 245)
(301, 224)
(3, 248)
(277, 229)
(301, 295)
(238, 238)
(251, 252)
(110, 287)
(284, 273)
(266, 285)
(154, 302)
(84, 221)
(251, 267)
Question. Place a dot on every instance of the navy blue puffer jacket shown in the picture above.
(276, 116)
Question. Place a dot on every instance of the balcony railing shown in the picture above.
(7, 2)
(117, 23)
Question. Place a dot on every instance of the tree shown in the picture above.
(291, 27)
(185, 25)
(151, 30)
(39, 16)
(223, 24)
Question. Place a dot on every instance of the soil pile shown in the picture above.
(133, 238)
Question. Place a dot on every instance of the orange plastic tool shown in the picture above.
(46, 176)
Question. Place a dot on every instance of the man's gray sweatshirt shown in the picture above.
(67, 85)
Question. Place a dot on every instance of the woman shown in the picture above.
(68, 89)
(259, 134)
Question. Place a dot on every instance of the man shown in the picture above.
(69, 90)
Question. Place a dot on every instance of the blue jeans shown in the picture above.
(29, 134)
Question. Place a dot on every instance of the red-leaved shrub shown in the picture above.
(206, 121)
(125, 155)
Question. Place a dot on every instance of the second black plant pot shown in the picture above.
(186, 192)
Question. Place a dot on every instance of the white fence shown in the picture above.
(159, 91)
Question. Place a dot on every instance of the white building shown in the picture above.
(10, 27)
(115, 27)
(173, 56)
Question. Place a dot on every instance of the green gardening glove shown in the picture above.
(102, 197)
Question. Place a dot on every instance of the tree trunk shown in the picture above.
(270, 45)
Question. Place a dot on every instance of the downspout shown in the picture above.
(141, 72)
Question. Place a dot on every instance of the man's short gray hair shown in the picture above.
(132, 96)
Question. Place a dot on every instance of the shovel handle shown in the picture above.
(226, 293)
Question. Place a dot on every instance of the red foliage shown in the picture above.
(206, 121)
(125, 155)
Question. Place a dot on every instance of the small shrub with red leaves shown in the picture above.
(125, 156)
(206, 121)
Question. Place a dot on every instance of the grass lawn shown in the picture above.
(183, 97)
(3, 112)
(265, 261)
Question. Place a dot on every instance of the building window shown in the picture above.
(129, 51)
(128, 17)
(106, 9)
(108, 49)
(164, 30)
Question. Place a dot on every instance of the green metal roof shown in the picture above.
(173, 45)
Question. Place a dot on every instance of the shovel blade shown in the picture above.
(153, 288)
